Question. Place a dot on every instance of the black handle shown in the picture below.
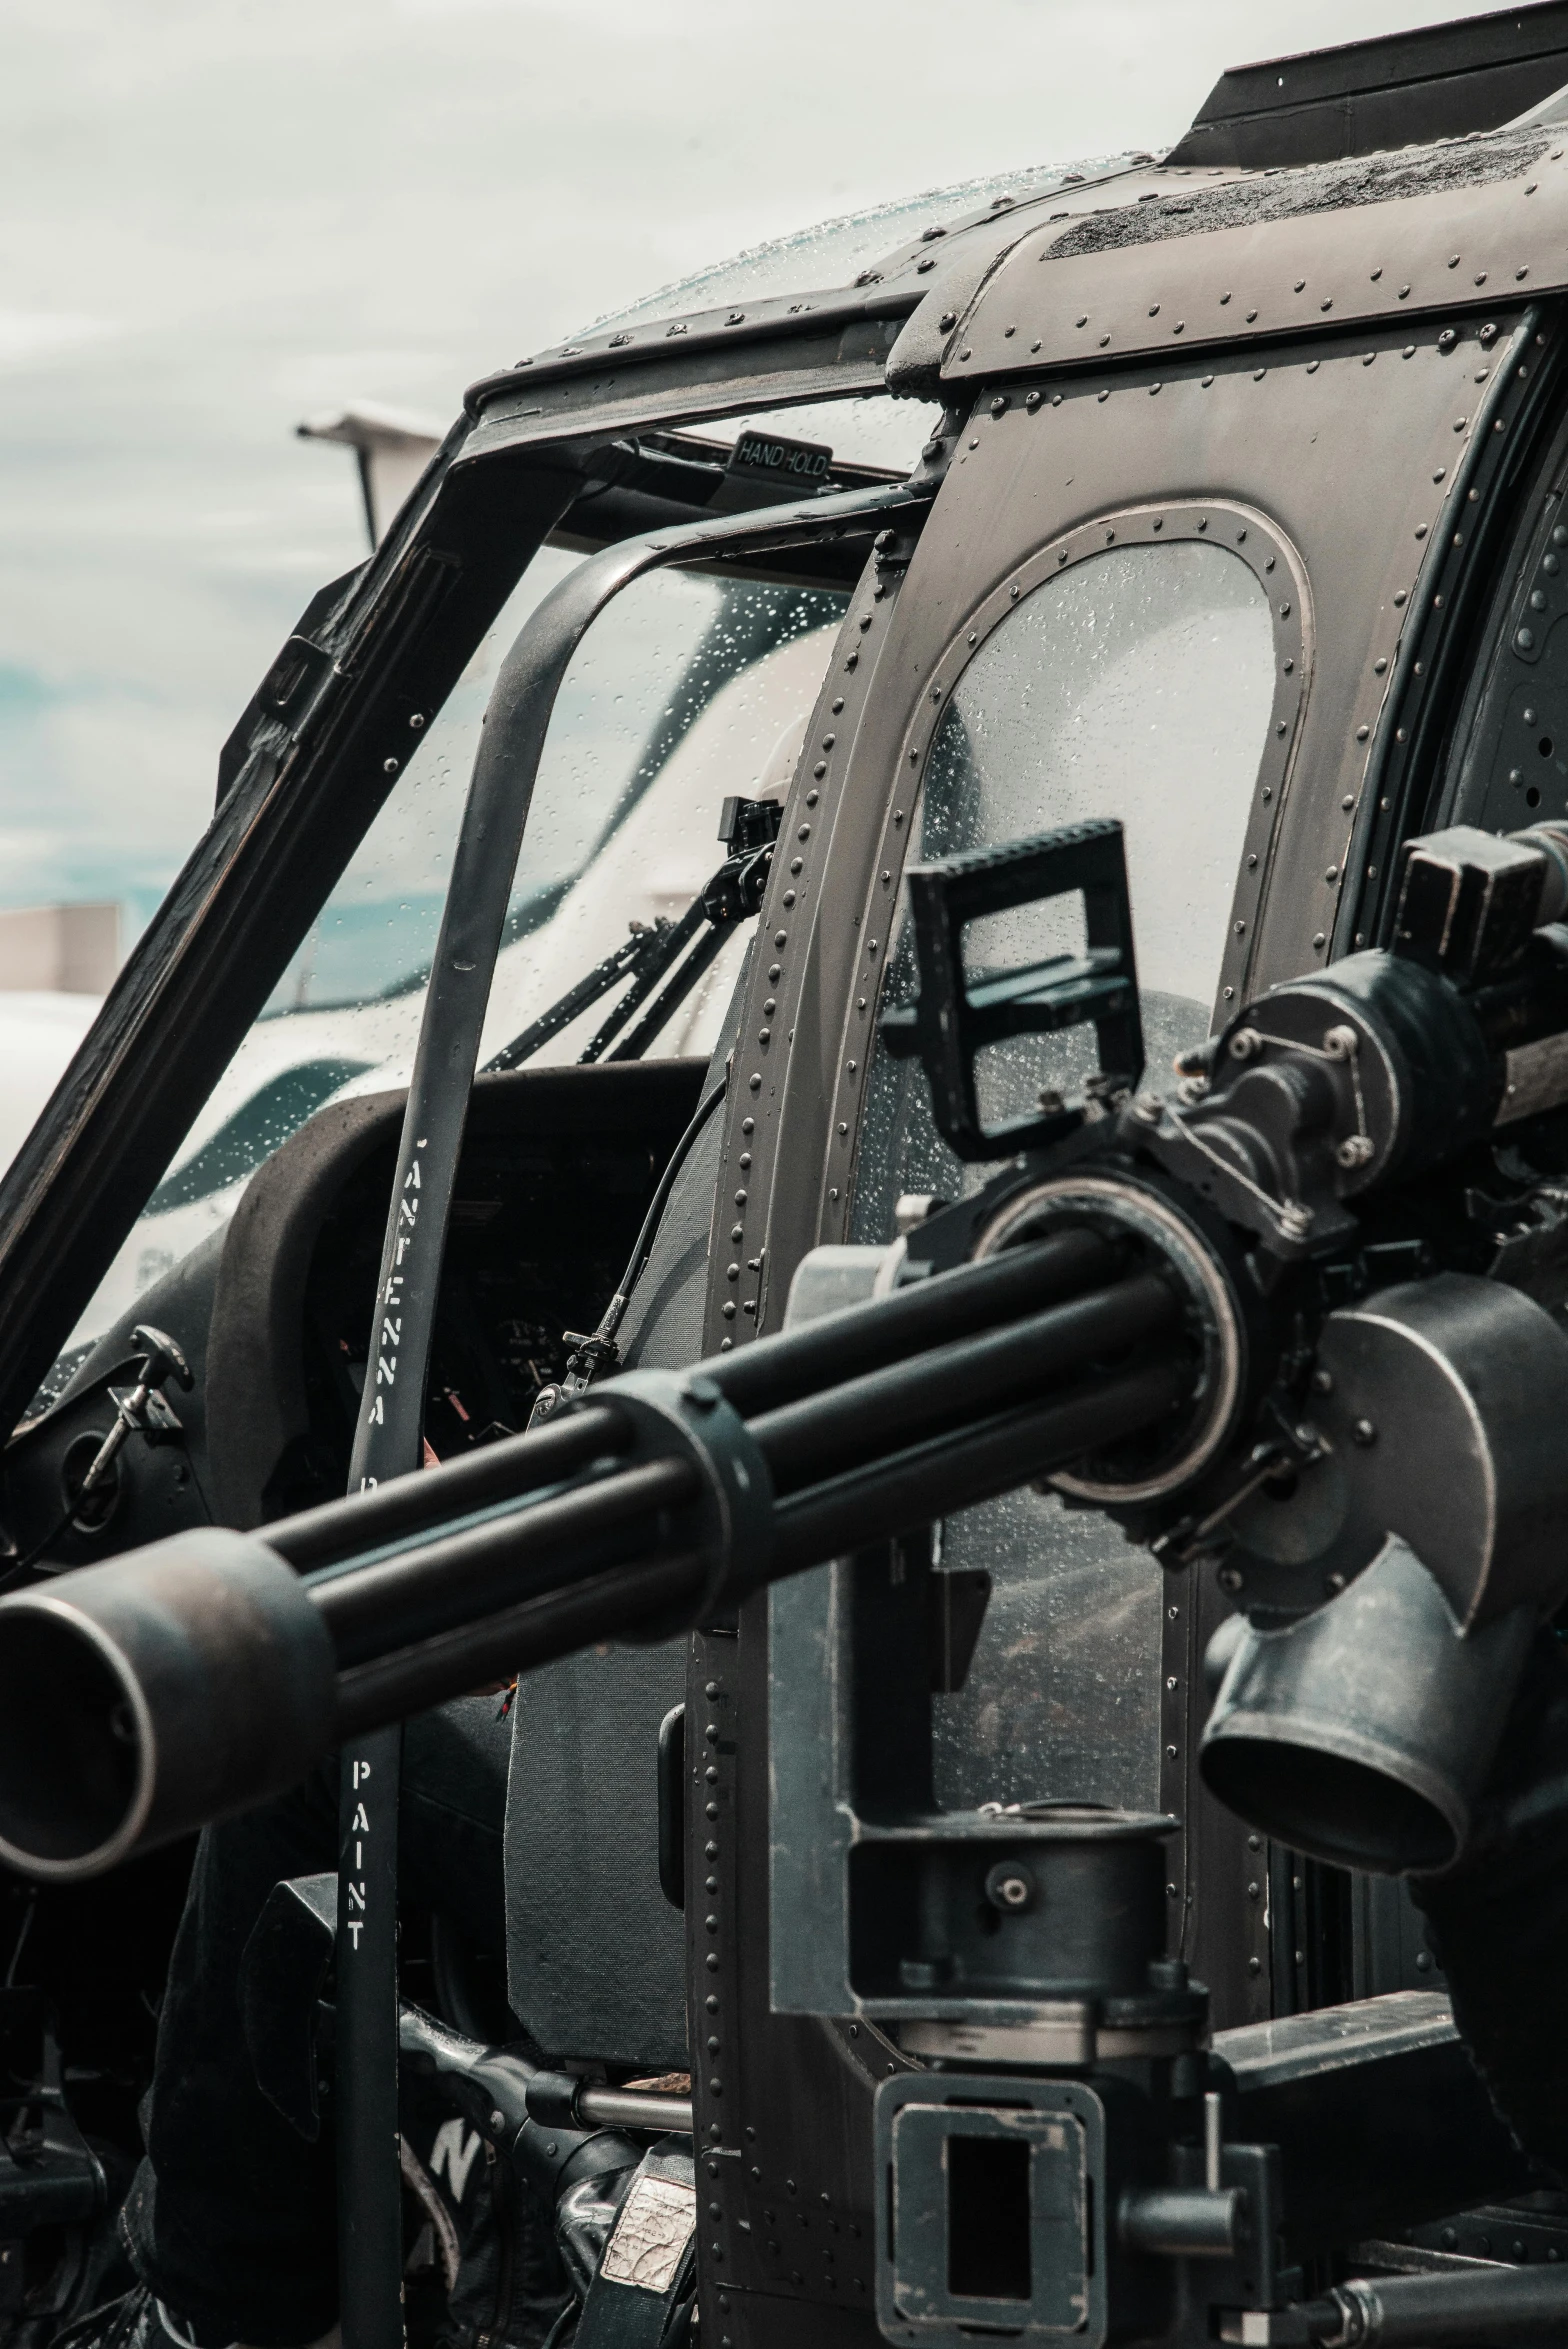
(672, 1806)
(952, 1021)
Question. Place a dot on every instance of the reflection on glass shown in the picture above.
(833, 252)
(687, 689)
(1139, 684)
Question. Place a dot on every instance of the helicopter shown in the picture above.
(580, 881)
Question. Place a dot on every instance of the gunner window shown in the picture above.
(1139, 683)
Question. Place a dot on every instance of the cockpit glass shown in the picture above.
(689, 688)
(1138, 684)
(836, 251)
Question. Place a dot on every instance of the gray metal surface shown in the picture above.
(1433, 230)
(1298, 2047)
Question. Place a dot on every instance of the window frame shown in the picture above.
(1247, 536)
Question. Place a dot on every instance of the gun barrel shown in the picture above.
(629, 1516)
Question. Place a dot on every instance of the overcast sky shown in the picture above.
(219, 215)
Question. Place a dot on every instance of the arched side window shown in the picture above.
(1152, 669)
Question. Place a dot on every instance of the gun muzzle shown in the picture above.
(142, 1697)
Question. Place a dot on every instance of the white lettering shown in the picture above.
(458, 2158)
(360, 1824)
(411, 1180)
(355, 1928)
(361, 1773)
(386, 1372)
(391, 1331)
(356, 1896)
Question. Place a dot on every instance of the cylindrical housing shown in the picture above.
(143, 1697)
(1361, 1734)
(1184, 2222)
(1491, 2304)
(1056, 1901)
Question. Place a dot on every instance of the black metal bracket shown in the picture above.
(953, 1019)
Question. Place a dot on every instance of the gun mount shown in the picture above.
(1302, 1316)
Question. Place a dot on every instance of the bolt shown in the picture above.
(1341, 1043)
(1363, 1433)
(1355, 1150)
(1245, 1044)
(1009, 1887)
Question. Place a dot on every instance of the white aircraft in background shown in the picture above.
(623, 838)
(57, 962)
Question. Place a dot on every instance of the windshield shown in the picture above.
(688, 689)
(836, 251)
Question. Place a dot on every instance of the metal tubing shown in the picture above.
(634, 2108)
(553, 1623)
(1490, 2304)
(649, 973)
(966, 1466)
(823, 1434)
(672, 994)
(401, 1600)
(774, 1371)
(408, 1505)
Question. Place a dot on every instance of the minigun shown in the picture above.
(1303, 1316)
(1302, 1320)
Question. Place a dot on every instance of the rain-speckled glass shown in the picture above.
(687, 688)
(834, 252)
(1139, 684)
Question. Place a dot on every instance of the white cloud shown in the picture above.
(218, 215)
(44, 334)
